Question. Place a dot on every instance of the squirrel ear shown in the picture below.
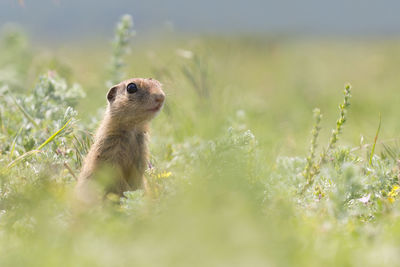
(112, 93)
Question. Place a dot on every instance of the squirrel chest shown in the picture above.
(125, 151)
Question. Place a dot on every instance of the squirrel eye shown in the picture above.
(131, 88)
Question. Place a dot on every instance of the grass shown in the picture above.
(234, 180)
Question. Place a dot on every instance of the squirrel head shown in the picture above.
(135, 100)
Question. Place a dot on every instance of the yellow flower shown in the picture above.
(393, 193)
(164, 174)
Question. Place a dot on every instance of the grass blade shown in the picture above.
(66, 165)
(26, 114)
(54, 135)
(22, 157)
(14, 142)
(33, 152)
(375, 140)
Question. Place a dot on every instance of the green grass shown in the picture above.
(235, 180)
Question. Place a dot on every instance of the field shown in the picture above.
(270, 151)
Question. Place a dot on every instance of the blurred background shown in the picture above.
(61, 19)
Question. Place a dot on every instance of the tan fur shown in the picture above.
(120, 146)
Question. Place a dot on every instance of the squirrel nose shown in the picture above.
(159, 98)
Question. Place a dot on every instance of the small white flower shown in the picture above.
(365, 199)
(241, 114)
(184, 53)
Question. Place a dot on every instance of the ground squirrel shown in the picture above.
(120, 151)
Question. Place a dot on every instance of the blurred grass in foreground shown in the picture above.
(229, 152)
